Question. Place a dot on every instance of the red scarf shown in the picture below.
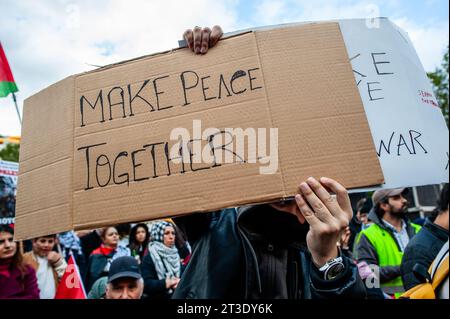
(105, 251)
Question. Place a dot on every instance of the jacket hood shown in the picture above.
(373, 216)
(266, 223)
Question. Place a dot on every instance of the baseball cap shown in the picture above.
(383, 193)
(124, 267)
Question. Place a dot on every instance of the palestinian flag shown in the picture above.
(7, 84)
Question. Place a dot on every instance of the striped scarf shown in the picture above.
(167, 260)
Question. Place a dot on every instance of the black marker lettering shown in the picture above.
(191, 155)
(205, 88)
(387, 149)
(375, 63)
(169, 159)
(401, 142)
(99, 98)
(122, 102)
(448, 161)
(373, 90)
(414, 138)
(152, 152)
(166, 153)
(132, 98)
(133, 158)
(98, 164)
(185, 87)
(158, 93)
(222, 82)
(88, 187)
(251, 80)
(127, 179)
(222, 147)
(238, 74)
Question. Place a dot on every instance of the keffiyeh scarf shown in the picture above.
(166, 259)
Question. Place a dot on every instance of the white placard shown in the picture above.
(408, 128)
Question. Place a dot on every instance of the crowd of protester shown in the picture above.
(36, 273)
(392, 254)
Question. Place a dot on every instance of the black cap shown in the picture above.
(124, 267)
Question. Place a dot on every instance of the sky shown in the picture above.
(48, 40)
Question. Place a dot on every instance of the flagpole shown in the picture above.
(17, 108)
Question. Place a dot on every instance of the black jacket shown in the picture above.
(95, 268)
(422, 250)
(154, 288)
(256, 252)
(90, 242)
(355, 228)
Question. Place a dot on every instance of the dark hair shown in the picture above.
(17, 260)
(443, 199)
(378, 210)
(134, 244)
(360, 204)
(442, 203)
(367, 206)
(46, 236)
(181, 242)
(123, 229)
(104, 230)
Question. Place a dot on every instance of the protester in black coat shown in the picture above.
(257, 252)
(424, 247)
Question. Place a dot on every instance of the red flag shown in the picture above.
(7, 84)
(71, 286)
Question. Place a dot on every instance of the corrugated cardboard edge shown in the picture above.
(37, 165)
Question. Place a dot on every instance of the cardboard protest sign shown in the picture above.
(164, 135)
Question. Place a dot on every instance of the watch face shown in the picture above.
(334, 271)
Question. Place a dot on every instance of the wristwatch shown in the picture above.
(332, 268)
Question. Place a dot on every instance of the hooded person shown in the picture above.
(161, 267)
